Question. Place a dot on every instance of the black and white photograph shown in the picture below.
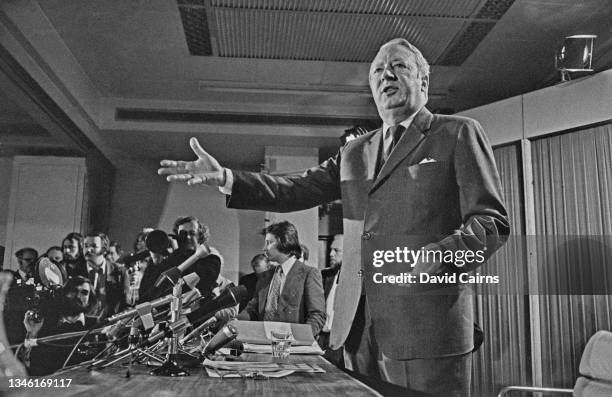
(306, 198)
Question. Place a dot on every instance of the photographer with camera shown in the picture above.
(67, 315)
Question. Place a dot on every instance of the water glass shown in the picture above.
(281, 344)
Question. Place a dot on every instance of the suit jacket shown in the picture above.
(109, 296)
(301, 300)
(207, 268)
(439, 189)
(328, 274)
(250, 282)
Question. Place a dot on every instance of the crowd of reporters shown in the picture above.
(78, 285)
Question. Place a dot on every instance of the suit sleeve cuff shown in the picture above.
(229, 182)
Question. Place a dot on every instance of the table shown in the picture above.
(112, 382)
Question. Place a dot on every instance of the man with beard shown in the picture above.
(106, 277)
(74, 262)
(76, 299)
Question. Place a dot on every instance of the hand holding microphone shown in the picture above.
(173, 274)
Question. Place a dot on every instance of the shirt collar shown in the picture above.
(74, 319)
(288, 264)
(406, 123)
(103, 266)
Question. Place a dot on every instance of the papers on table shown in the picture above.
(246, 369)
(258, 332)
(256, 348)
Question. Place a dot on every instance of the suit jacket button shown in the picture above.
(360, 273)
(366, 236)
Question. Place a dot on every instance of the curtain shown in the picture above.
(501, 310)
(573, 195)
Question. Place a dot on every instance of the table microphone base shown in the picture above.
(169, 368)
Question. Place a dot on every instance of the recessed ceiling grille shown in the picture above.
(475, 32)
(467, 43)
(494, 9)
(169, 116)
(457, 9)
(323, 36)
(446, 31)
(195, 25)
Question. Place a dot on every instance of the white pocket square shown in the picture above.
(427, 160)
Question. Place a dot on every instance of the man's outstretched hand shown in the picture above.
(206, 169)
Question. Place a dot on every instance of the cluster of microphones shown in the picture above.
(148, 323)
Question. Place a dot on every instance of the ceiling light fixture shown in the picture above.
(575, 55)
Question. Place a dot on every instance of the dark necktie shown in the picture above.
(395, 133)
(97, 284)
(271, 310)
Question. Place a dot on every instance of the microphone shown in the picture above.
(221, 338)
(198, 330)
(175, 327)
(191, 280)
(136, 257)
(157, 242)
(229, 297)
(174, 273)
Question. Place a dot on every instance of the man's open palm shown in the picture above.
(206, 169)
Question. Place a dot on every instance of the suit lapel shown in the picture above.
(411, 138)
(373, 152)
(292, 278)
(263, 293)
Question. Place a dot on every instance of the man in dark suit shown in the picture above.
(26, 257)
(422, 182)
(106, 277)
(259, 263)
(191, 234)
(291, 292)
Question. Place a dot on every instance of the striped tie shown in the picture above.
(271, 311)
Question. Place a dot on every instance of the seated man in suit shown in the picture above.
(291, 292)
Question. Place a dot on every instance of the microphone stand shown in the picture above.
(170, 366)
(134, 351)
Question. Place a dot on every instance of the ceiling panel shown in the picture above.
(456, 8)
(248, 33)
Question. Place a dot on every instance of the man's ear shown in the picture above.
(425, 84)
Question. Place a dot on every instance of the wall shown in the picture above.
(281, 159)
(46, 202)
(561, 107)
(138, 198)
(144, 199)
(6, 164)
